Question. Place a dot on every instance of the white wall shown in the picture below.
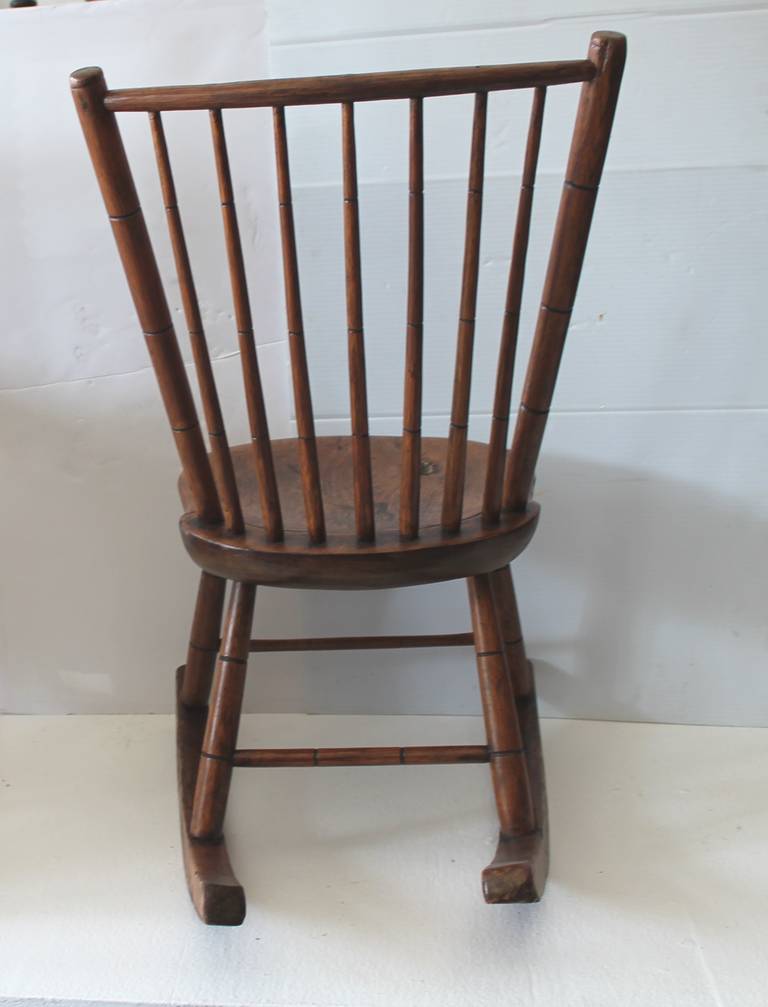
(643, 593)
(96, 590)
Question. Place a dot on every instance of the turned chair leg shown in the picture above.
(203, 641)
(511, 631)
(509, 770)
(204, 780)
(215, 772)
(519, 869)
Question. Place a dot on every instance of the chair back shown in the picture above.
(509, 471)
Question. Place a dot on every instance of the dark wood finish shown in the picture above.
(410, 478)
(519, 868)
(518, 871)
(305, 420)
(203, 641)
(213, 887)
(358, 512)
(508, 765)
(362, 478)
(413, 755)
(497, 452)
(594, 120)
(254, 395)
(221, 461)
(453, 494)
(336, 457)
(361, 643)
(343, 562)
(511, 632)
(215, 772)
(351, 87)
(341, 567)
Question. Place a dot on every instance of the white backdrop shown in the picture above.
(643, 594)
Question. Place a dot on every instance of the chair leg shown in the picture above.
(511, 631)
(203, 641)
(518, 871)
(215, 772)
(213, 887)
(508, 767)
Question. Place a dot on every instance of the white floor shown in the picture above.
(363, 884)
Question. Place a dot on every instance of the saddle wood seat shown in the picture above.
(388, 561)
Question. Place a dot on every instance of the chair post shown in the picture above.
(110, 163)
(505, 369)
(592, 131)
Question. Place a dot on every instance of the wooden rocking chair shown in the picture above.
(278, 512)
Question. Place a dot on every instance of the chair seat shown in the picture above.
(343, 562)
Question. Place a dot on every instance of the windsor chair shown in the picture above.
(358, 511)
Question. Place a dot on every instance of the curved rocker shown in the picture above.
(216, 894)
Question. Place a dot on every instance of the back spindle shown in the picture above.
(361, 449)
(254, 395)
(497, 449)
(455, 465)
(594, 119)
(414, 342)
(305, 422)
(105, 146)
(220, 457)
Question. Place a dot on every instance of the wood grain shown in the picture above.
(336, 459)
(254, 394)
(221, 462)
(509, 769)
(203, 641)
(362, 478)
(518, 871)
(413, 755)
(410, 477)
(455, 473)
(302, 395)
(350, 87)
(592, 131)
(505, 603)
(497, 452)
(216, 893)
(266, 645)
(342, 565)
(215, 772)
(113, 174)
